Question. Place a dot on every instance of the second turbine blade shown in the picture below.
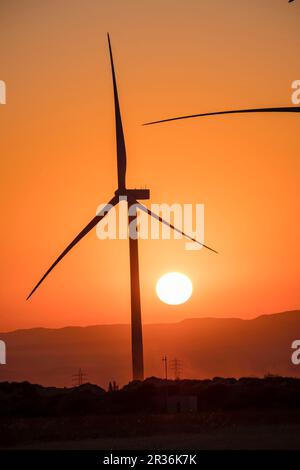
(160, 219)
(81, 234)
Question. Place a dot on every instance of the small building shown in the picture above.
(182, 404)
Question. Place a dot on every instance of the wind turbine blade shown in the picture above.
(155, 216)
(83, 232)
(121, 149)
(287, 109)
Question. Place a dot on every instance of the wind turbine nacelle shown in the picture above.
(134, 193)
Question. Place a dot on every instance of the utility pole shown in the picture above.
(165, 360)
(79, 377)
(113, 386)
(177, 368)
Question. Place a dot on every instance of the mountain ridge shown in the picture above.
(276, 314)
(207, 347)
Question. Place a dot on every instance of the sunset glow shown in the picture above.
(59, 162)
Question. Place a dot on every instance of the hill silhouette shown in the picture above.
(207, 347)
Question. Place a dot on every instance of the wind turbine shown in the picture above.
(132, 196)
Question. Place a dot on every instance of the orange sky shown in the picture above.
(58, 160)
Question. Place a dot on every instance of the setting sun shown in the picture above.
(174, 288)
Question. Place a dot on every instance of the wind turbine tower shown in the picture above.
(132, 196)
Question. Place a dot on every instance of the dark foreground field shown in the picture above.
(248, 413)
(199, 432)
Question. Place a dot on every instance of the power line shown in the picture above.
(79, 377)
(176, 367)
(165, 360)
